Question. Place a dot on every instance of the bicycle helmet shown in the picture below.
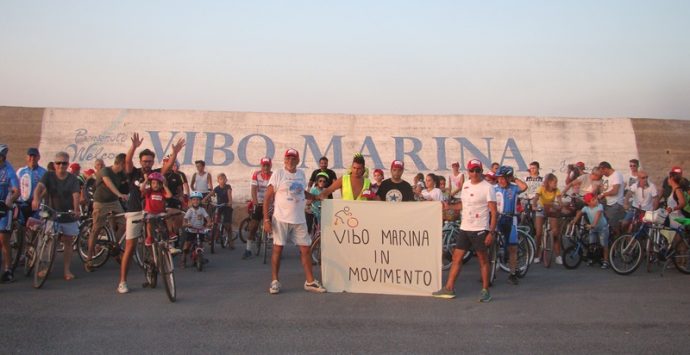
(196, 194)
(265, 161)
(505, 171)
(156, 176)
(4, 149)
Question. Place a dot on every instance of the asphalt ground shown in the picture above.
(227, 309)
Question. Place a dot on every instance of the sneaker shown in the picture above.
(122, 288)
(172, 237)
(536, 261)
(590, 262)
(559, 260)
(275, 287)
(513, 279)
(7, 276)
(605, 265)
(149, 241)
(315, 287)
(484, 296)
(444, 293)
(247, 254)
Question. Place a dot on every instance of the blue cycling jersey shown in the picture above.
(506, 198)
(28, 180)
(8, 180)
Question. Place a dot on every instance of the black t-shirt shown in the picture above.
(175, 183)
(136, 178)
(102, 193)
(59, 193)
(395, 192)
(331, 178)
(222, 193)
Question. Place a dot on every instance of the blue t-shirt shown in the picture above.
(28, 180)
(506, 198)
(592, 212)
(8, 180)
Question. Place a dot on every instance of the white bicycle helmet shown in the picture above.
(196, 194)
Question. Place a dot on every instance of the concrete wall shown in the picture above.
(21, 130)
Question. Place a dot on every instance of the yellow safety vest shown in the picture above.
(347, 188)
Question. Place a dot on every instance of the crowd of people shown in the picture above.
(286, 203)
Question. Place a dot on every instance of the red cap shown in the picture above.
(89, 172)
(474, 163)
(291, 153)
(676, 170)
(74, 167)
(378, 171)
(589, 197)
(397, 164)
(490, 175)
(267, 160)
(580, 164)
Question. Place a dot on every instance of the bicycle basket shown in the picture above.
(658, 216)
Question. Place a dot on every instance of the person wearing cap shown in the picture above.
(574, 171)
(134, 214)
(61, 192)
(378, 179)
(507, 189)
(613, 185)
(353, 186)
(645, 197)
(9, 191)
(29, 176)
(258, 185)
(286, 192)
(598, 227)
(456, 180)
(323, 168)
(490, 177)
(110, 189)
(395, 189)
(477, 229)
(676, 174)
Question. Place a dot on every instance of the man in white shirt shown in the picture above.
(613, 187)
(286, 188)
(477, 229)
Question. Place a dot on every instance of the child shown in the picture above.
(194, 218)
(548, 202)
(223, 193)
(155, 191)
(599, 226)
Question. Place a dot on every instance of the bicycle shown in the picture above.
(218, 232)
(499, 255)
(662, 251)
(16, 236)
(627, 250)
(157, 257)
(106, 243)
(315, 248)
(582, 248)
(197, 246)
(448, 234)
(48, 238)
(243, 229)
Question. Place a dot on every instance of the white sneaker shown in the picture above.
(275, 287)
(314, 287)
(122, 288)
(559, 260)
(536, 261)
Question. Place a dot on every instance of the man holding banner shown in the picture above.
(395, 189)
(286, 188)
(477, 229)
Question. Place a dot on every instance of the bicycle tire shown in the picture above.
(140, 253)
(167, 272)
(199, 262)
(259, 241)
(243, 230)
(547, 250)
(569, 235)
(493, 262)
(625, 255)
(150, 271)
(224, 238)
(30, 251)
(100, 252)
(264, 245)
(16, 246)
(525, 255)
(572, 257)
(44, 260)
(315, 251)
(651, 255)
(447, 249)
(213, 243)
(681, 260)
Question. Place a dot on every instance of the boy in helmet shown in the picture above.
(507, 189)
(196, 218)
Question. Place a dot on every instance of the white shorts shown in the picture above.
(285, 232)
(134, 230)
(70, 229)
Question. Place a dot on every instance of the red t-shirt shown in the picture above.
(155, 201)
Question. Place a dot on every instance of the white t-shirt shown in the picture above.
(475, 209)
(533, 183)
(289, 196)
(455, 183)
(609, 182)
(434, 195)
(643, 198)
(196, 217)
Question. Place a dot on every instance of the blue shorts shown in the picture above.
(508, 228)
(6, 222)
(602, 233)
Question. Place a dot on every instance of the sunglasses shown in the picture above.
(61, 163)
(475, 170)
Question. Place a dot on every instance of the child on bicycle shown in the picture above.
(155, 191)
(547, 201)
(599, 226)
(223, 194)
(196, 219)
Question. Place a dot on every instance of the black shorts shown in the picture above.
(467, 239)
(226, 213)
(258, 213)
(173, 203)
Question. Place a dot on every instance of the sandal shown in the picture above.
(69, 277)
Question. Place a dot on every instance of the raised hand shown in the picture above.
(136, 141)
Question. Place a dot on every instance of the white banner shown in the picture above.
(381, 247)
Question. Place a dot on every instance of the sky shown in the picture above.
(517, 58)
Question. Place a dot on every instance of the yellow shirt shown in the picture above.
(547, 197)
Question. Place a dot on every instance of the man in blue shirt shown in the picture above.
(28, 178)
(9, 191)
(507, 190)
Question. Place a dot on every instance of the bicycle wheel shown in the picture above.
(525, 255)
(447, 249)
(199, 262)
(44, 260)
(315, 251)
(572, 257)
(214, 238)
(30, 250)
(223, 236)
(264, 245)
(243, 229)
(140, 253)
(167, 271)
(650, 259)
(493, 262)
(16, 246)
(625, 255)
(568, 235)
(547, 249)
(150, 271)
(100, 248)
(681, 259)
(259, 240)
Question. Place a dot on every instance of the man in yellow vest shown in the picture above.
(353, 186)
